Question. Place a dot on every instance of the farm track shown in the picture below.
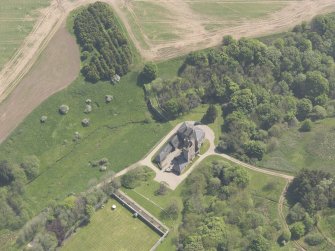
(184, 19)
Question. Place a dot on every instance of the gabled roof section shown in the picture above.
(164, 153)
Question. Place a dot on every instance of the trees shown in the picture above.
(254, 149)
(259, 244)
(298, 230)
(149, 72)
(210, 115)
(6, 173)
(105, 50)
(316, 86)
(171, 211)
(304, 107)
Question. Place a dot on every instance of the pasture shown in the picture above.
(112, 230)
(297, 150)
(17, 18)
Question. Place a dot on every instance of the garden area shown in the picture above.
(112, 230)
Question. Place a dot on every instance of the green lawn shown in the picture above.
(17, 18)
(112, 230)
(313, 150)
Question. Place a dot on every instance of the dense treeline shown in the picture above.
(105, 50)
(48, 230)
(309, 192)
(262, 88)
(220, 213)
(13, 178)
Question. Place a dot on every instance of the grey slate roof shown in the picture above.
(199, 134)
(164, 152)
(175, 142)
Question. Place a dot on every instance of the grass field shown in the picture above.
(156, 22)
(258, 187)
(17, 18)
(327, 223)
(314, 150)
(112, 230)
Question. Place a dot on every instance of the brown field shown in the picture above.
(57, 67)
(160, 30)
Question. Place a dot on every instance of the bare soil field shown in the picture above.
(192, 28)
(57, 67)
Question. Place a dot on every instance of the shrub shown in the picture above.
(88, 101)
(162, 190)
(171, 211)
(85, 122)
(43, 119)
(272, 144)
(314, 239)
(149, 72)
(210, 115)
(31, 166)
(284, 237)
(108, 98)
(306, 126)
(318, 112)
(298, 230)
(103, 168)
(63, 109)
(88, 108)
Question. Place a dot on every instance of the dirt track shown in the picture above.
(57, 67)
(197, 37)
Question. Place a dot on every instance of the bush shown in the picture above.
(162, 190)
(306, 126)
(273, 143)
(43, 119)
(108, 98)
(298, 230)
(318, 112)
(134, 177)
(88, 108)
(31, 166)
(63, 109)
(210, 115)
(88, 101)
(314, 239)
(171, 211)
(149, 73)
(85, 122)
(284, 237)
(254, 149)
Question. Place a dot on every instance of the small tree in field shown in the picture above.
(210, 115)
(149, 72)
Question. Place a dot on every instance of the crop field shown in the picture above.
(166, 29)
(17, 18)
(112, 230)
(296, 150)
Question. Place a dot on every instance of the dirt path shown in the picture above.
(57, 67)
(196, 37)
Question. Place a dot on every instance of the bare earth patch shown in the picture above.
(57, 67)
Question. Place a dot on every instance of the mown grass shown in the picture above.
(264, 189)
(297, 150)
(118, 131)
(113, 230)
(17, 18)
